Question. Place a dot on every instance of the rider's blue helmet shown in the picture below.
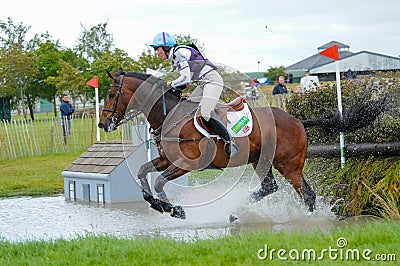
(163, 39)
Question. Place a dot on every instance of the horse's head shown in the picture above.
(135, 92)
(115, 104)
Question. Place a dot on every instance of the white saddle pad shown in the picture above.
(240, 124)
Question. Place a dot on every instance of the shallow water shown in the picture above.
(207, 207)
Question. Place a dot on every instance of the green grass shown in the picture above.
(241, 249)
(34, 176)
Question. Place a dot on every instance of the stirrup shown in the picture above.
(231, 148)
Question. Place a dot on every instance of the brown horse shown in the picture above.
(277, 139)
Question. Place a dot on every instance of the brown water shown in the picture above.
(46, 218)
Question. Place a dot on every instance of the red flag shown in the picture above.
(331, 52)
(94, 82)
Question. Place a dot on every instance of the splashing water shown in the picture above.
(54, 217)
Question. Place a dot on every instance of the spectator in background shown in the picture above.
(66, 110)
(290, 78)
(279, 92)
(351, 74)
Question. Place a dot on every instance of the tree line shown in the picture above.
(39, 67)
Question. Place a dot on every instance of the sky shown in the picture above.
(246, 35)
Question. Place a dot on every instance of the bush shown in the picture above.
(316, 104)
(368, 185)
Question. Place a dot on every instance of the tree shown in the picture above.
(68, 79)
(17, 63)
(13, 35)
(93, 43)
(273, 73)
(187, 39)
(48, 54)
(148, 59)
(111, 61)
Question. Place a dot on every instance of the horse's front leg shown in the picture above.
(162, 204)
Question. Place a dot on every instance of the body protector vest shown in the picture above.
(196, 61)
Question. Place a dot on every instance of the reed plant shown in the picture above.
(362, 184)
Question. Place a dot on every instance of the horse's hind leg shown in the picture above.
(302, 188)
(309, 196)
(268, 183)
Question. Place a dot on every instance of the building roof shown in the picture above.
(360, 61)
(316, 60)
(341, 47)
(255, 75)
(102, 157)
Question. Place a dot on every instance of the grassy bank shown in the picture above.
(34, 176)
(381, 239)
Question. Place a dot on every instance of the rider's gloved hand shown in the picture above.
(180, 88)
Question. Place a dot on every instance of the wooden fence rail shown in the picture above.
(351, 150)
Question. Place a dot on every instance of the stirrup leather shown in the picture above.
(231, 148)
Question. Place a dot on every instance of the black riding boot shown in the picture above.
(230, 146)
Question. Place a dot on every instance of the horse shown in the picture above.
(277, 139)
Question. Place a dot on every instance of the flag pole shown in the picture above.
(340, 108)
(333, 53)
(94, 82)
(96, 92)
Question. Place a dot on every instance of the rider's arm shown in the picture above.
(181, 64)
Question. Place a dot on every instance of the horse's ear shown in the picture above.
(109, 74)
(120, 71)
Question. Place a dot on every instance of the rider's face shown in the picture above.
(160, 53)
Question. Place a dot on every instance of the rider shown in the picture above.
(192, 66)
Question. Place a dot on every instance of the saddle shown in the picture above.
(236, 105)
(235, 114)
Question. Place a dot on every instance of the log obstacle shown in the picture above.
(351, 150)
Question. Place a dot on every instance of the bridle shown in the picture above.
(116, 121)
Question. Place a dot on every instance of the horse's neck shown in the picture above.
(153, 105)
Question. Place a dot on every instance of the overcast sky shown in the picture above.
(233, 31)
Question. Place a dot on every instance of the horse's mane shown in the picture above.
(139, 75)
(152, 80)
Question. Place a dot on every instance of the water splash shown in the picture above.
(54, 217)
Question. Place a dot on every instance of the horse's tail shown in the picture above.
(357, 116)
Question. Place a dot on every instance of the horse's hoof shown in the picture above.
(233, 218)
(178, 212)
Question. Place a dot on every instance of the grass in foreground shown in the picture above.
(346, 245)
(34, 176)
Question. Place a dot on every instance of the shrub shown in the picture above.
(315, 104)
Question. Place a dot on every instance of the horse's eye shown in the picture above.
(110, 96)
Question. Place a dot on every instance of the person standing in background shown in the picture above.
(279, 92)
(66, 110)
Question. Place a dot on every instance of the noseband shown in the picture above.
(119, 119)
